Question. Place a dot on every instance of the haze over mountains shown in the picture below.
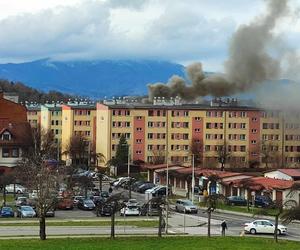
(95, 79)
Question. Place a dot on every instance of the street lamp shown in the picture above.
(193, 176)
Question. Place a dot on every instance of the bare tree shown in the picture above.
(158, 156)
(116, 202)
(6, 179)
(269, 152)
(212, 201)
(196, 149)
(36, 173)
(223, 155)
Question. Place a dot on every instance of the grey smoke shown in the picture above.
(248, 65)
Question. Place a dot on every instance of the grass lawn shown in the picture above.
(137, 223)
(10, 200)
(145, 243)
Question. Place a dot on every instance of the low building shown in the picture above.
(284, 174)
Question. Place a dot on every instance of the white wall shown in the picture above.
(278, 175)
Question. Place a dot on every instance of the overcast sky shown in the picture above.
(175, 30)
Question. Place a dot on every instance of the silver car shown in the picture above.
(186, 206)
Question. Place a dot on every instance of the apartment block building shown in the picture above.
(34, 115)
(248, 136)
(79, 119)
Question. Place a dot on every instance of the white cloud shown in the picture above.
(175, 30)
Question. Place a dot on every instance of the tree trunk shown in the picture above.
(100, 183)
(129, 189)
(85, 192)
(248, 204)
(208, 222)
(276, 228)
(112, 228)
(42, 227)
(160, 222)
(4, 195)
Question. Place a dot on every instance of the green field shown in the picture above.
(145, 243)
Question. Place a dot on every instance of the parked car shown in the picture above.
(161, 191)
(77, 198)
(26, 212)
(137, 184)
(104, 209)
(132, 202)
(150, 209)
(142, 188)
(118, 181)
(130, 210)
(19, 188)
(33, 194)
(86, 204)
(104, 194)
(21, 201)
(64, 203)
(7, 212)
(236, 200)
(263, 226)
(263, 201)
(185, 206)
(50, 212)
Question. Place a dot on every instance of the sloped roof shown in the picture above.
(293, 172)
(262, 183)
(20, 133)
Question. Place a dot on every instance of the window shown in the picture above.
(150, 124)
(254, 131)
(139, 152)
(197, 130)
(253, 142)
(186, 113)
(127, 112)
(243, 148)
(208, 125)
(185, 124)
(207, 148)
(6, 136)
(139, 129)
(52, 122)
(138, 117)
(127, 124)
(243, 125)
(265, 125)
(254, 119)
(185, 136)
(150, 112)
(208, 114)
(150, 135)
(242, 137)
(243, 114)
(197, 118)
(150, 147)
(15, 153)
(5, 152)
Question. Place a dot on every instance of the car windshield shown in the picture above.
(7, 209)
(188, 203)
(29, 209)
(89, 202)
(132, 207)
(22, 199)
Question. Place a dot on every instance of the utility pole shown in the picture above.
(193, 177)
(128, 162)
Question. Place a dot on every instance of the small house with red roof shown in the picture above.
(284, 174)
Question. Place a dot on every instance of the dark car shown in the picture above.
(137, 184)
(263, 201)
(104, 194)
(150, 209)
(161, 191)
(104, 209)
(142, 188)
(236, 200)
(86, 204)
(7, 212)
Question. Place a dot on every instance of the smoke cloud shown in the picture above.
(248, 65)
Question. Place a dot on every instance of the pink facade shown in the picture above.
(254, 135)
(139, 138)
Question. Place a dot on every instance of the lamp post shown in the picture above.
(167, 192)
(193, 177)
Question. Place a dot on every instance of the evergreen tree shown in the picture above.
(121, 157)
